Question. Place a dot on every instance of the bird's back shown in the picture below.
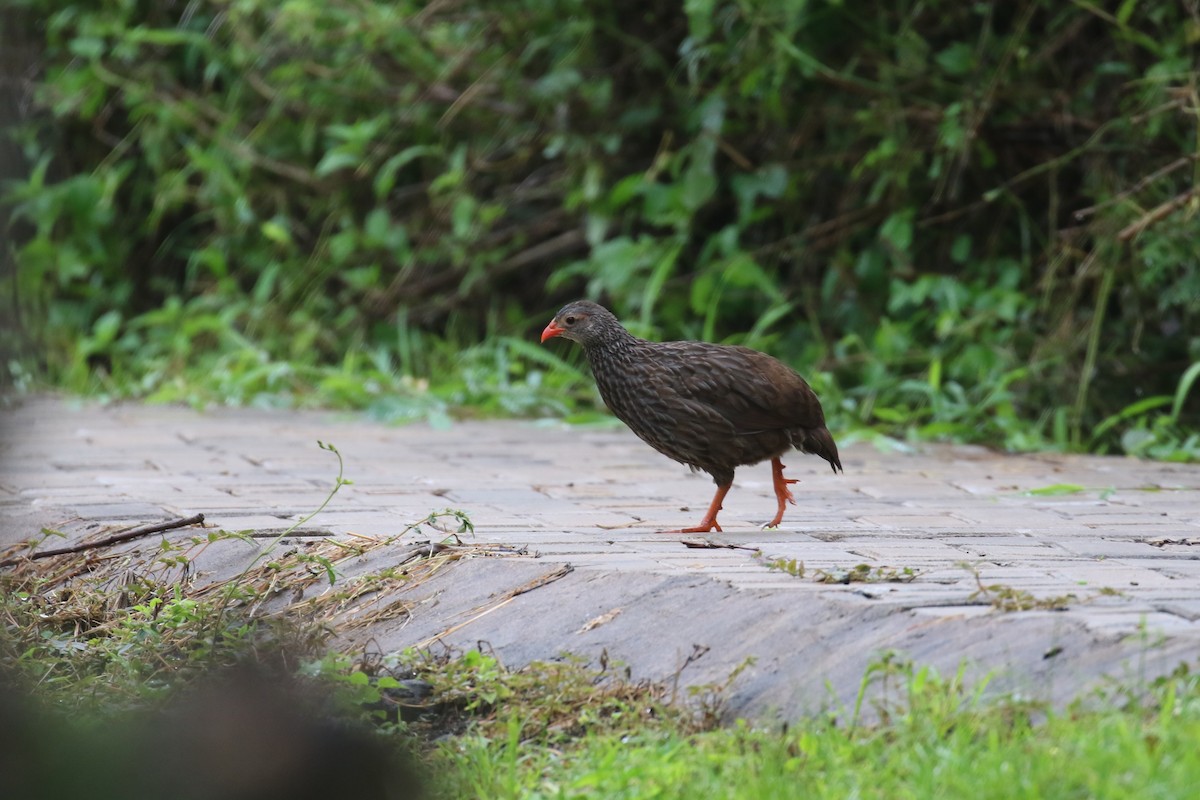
(711, 406)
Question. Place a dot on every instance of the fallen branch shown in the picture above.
(1156, 214)
(1137, 187)
(705, 543)
(1165, 542)
(298, 533)
(422, 550)
(117, 538)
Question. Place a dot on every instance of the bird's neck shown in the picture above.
(612, 361)
(614, 349)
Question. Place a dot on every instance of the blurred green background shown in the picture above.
(963, 221)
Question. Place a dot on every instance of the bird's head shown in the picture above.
(582, 321)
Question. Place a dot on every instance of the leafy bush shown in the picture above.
(972, 221)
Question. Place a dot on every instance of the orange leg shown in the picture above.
(710, 517)
(782, 493)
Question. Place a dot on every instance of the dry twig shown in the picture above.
(117, 538)
(706, 543)
(1157, 214)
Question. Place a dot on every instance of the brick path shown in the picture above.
(1126, 548)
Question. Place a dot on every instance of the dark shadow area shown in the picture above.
(239, 735)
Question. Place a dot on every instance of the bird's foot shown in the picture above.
(709, 521)
(705, 526)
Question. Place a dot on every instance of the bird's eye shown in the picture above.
(569, 320)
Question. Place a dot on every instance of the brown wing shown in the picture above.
(751, 390)
(766, 403)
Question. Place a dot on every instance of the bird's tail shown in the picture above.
(819, 442)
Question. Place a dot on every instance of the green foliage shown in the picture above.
(1002, 597)
(936, 736)
(90, 645)
(865, 573)
(547, 702)
(962, 221)
(356, 692)
(791, 566)
(859, 573)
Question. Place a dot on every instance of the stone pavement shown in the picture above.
(1124, 549)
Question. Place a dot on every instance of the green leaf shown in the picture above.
(898, 230)
(276, 232)
(1185, 386)
(699, 185)
(960, 251)
(1126, 11)
(164, 36)
(893, 415)
(1056, 489)
(335, 160)
(957, 59)
(87, 46)
(385, 180)
(376, 225)
(626, 189)
(1135, 440)
(1130, 411)
(700, 18)
(462, 216)
(104, 332)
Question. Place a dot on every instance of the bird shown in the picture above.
(712, 407)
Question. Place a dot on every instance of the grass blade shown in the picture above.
(1185, 386)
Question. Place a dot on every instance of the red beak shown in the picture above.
(551, 331)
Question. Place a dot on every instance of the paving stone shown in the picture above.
(597, 499)
(906, 552)
(1133, 622)
(619, 562)
(914, 521)
(1107, 547)
(1123, 515)
(1180, 570)
(951, 610)
(1188, 609)
(121, 511)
